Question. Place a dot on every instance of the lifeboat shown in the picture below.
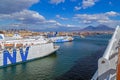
(19, 45)
(8, 45)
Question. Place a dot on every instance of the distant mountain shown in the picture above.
(58, 29)
(98, 28)
(104, 28)
(89, 28)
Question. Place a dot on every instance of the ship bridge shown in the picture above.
(109, 63)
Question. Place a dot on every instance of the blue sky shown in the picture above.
(58, 14)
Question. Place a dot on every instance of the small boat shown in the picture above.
(82, 36)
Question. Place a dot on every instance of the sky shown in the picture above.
(58, 14)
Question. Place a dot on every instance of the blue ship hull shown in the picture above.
(62, 40)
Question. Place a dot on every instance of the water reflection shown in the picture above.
(33, 70)
(68, 44)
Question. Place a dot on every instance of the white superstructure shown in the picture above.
(14, 50)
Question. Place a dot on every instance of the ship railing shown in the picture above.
(19, 44)
(113, 44)
(107, 63)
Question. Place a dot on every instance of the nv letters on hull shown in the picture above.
(12, 57)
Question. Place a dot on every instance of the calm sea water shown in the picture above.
(75, 60)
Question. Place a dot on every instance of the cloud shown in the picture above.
(15, 14)
(57, 1)
(77, 8)
(41, 26)
(70, 25)
(7, 6)
(87, 21)
(88, 3)
(112, 13)
(28, 19)
(85, 4)
(62, 18)
(101, 18)
(91, 17)
(25, 16)
(53, 22)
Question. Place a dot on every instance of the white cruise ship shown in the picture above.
(18, 49)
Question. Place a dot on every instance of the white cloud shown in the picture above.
(88, 3)
(112, 13)
(57, 1)
(16, 14)
(70, 25)
(62, 18)
(91, 17)
(25, 16)
(8, 6)
(102, 18)
(28, 19)
(77, 7)
(87, 21)
(54, 22)
(112, 23)
(85, 4)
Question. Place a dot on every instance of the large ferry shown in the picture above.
(59, 39)
(17, 49)
(109, 63)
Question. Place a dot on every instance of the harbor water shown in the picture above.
(75, 60)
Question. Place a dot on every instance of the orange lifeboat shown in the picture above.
(9, 45)
(19, 45)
